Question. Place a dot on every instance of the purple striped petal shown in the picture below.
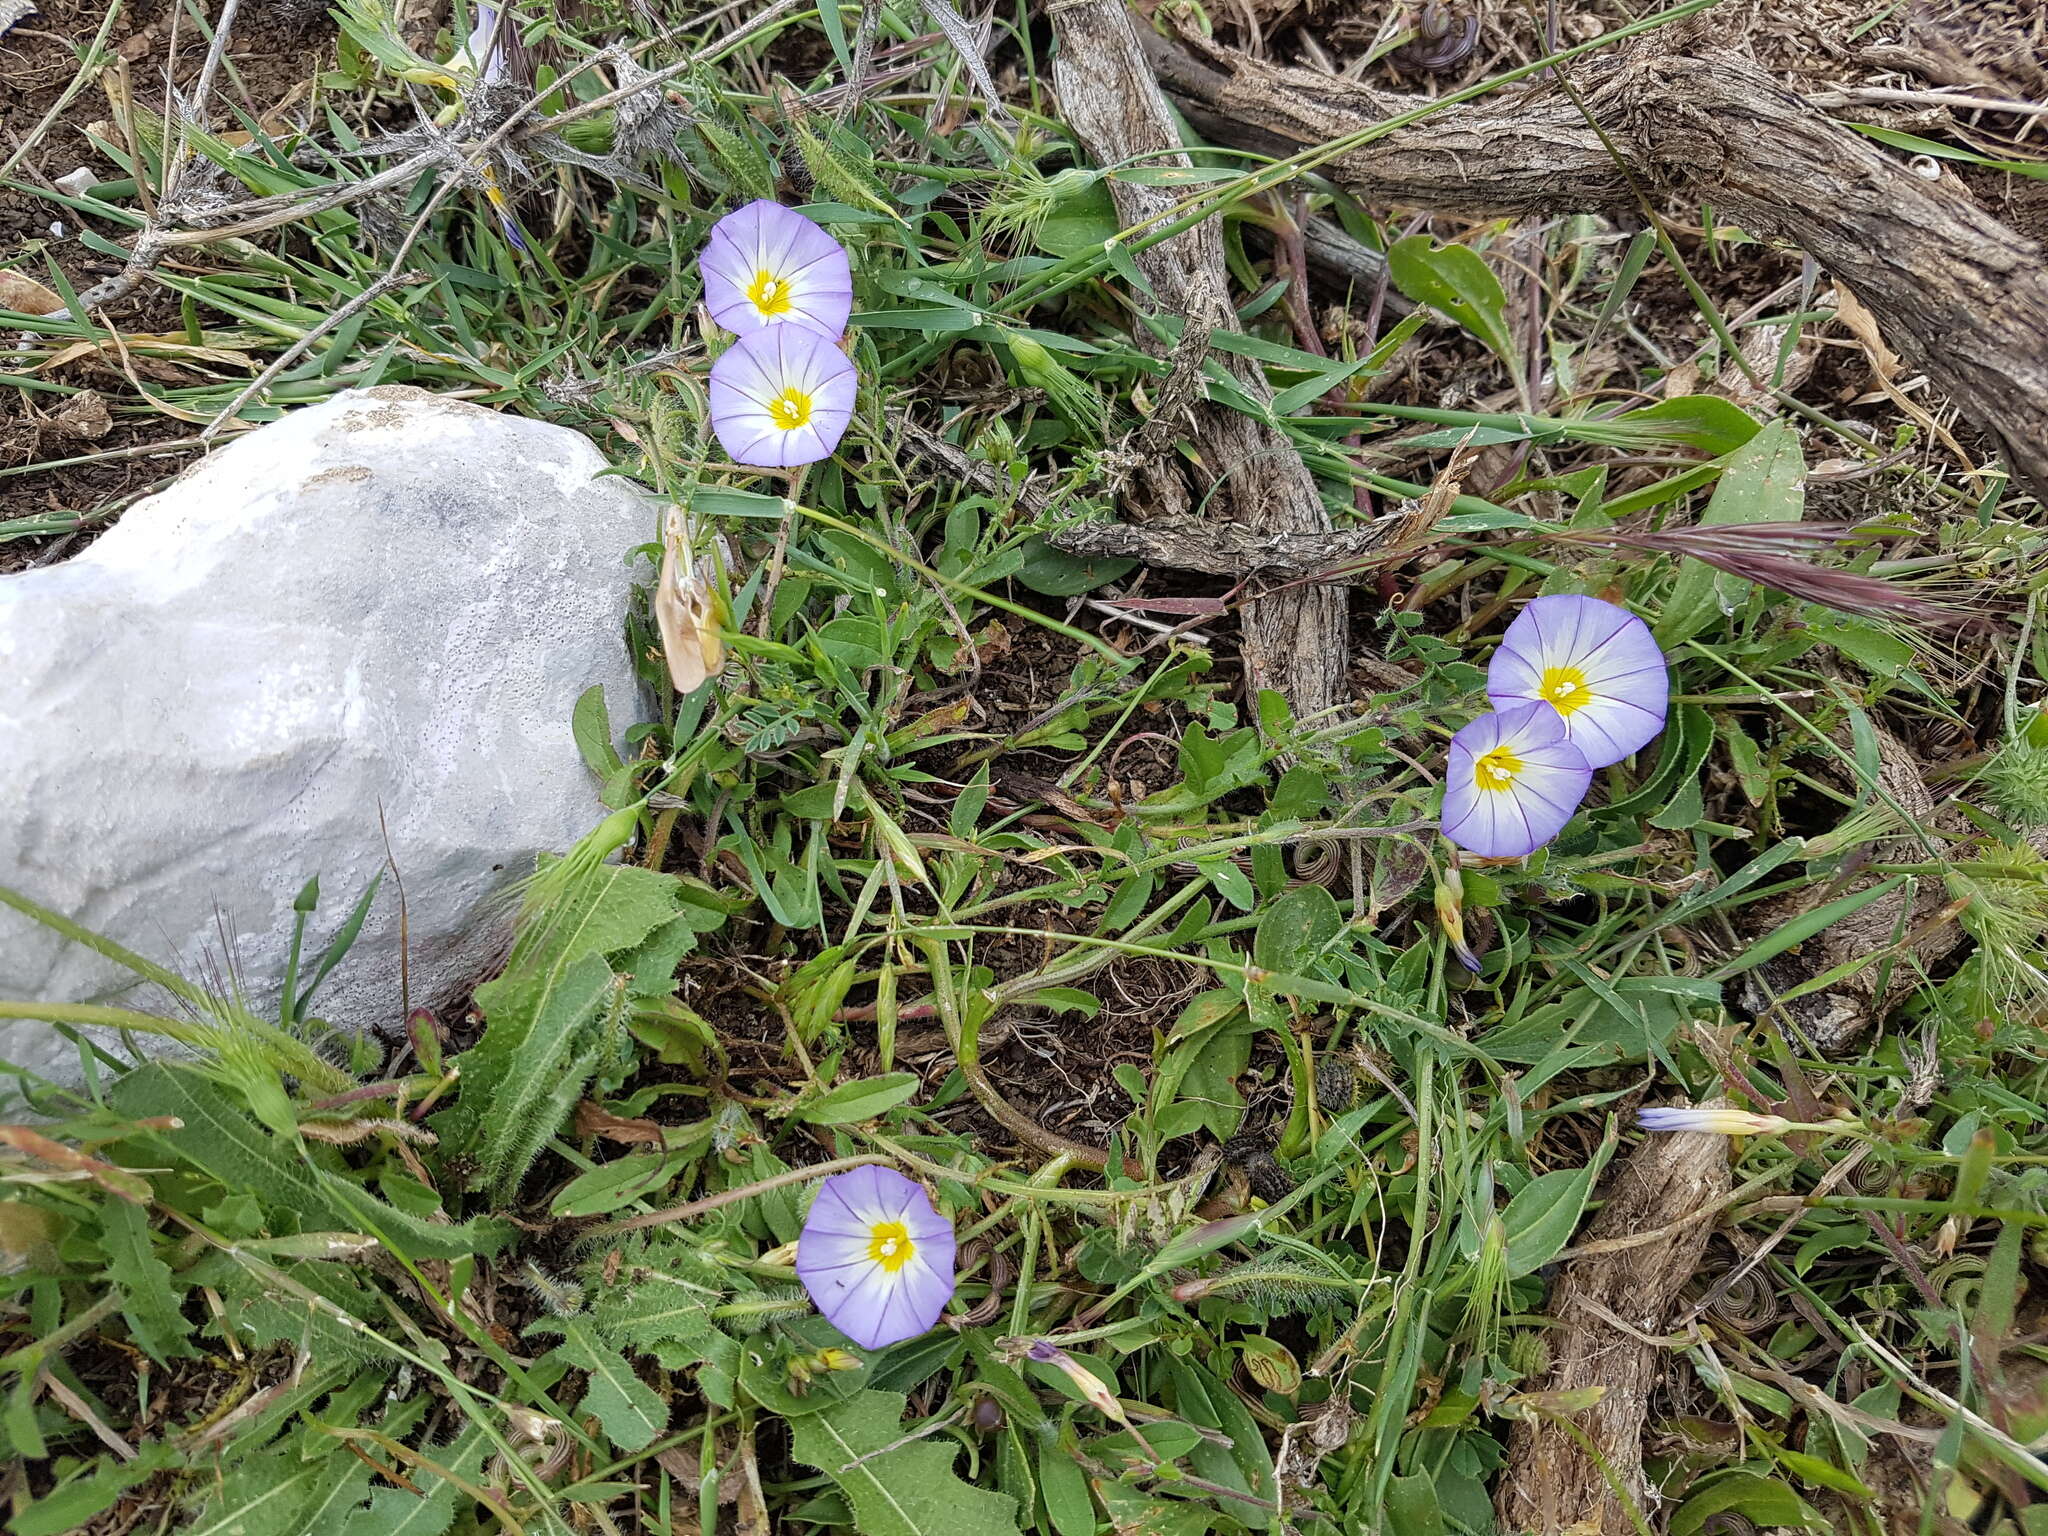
(1511, 782)
(767, 266)
(863, 1297)
(782, 397)
(1593, 662)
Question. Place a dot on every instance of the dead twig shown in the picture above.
(1963, 297)
(1294, 642)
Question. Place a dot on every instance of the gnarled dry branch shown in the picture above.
(1294, 641)
(1550, 1483)
(1960, 295)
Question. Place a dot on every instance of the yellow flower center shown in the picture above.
(1495, 769)
(769, 293)
(790, 409)
(889, 1245)
(1566, 689)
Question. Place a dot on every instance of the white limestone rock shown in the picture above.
(383, 605)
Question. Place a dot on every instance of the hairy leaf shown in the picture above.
(910, 1490)
(149, 1293)
(221, 1140)
(632, 1416)
(262, 1495)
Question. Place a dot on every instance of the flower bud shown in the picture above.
(1719, 1122)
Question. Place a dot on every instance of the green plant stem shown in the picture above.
(695, 1208)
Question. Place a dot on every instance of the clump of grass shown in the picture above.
(973, 857)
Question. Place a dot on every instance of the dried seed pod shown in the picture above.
(1443, 40)
(1336, 1085)
(1960, 1281)
(1319, 861)
(1873, 1176)
(1748, 1305)
(1527, 1351)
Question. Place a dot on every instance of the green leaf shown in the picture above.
(343, 1486)
(1821, 1474)
(535, 1028)
(1231, 882)
(262, 1496)
(538, 1049)
(149, 1294)
(1760, 483)
(1541, 1219)
(591, 726)
(1455, 281)
(1065, 1490)
(1761, 1501)
(910, 1490)
(1081, 222)
(1295, 928)
(220, 1139)
(1412, 1507)
(652, 963)
(71, 1505)
(1706, 422)
(632, 1416)
(610, 1185)
(1914, 144)
(1056, 573)
(398, 1512)
(1245, 1464)
(860, 1100)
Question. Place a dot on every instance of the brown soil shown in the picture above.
(275, 51)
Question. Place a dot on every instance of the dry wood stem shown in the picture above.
(1959, 294)
(1294, 641)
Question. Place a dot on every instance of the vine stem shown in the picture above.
(696, 1208)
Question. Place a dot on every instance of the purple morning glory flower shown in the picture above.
(767, 266)
(481, 34)
(781, 397)
(1512, 782)
(1724, 1122)
(1592, 662)
(875, 1256)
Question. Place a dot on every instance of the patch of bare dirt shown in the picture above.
(275, 51)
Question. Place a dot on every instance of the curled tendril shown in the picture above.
(1443, 40)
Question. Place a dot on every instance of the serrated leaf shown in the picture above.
(337, 1497)
(262, 1496)
(149, 1293)
(535, 1028)
(653, 961)
(910, 1490)
(658, 1308)
(220, 1139)
(398, 1512)
(538, 1049)
(632, 1416)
